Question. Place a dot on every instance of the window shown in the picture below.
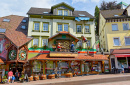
(87, 30)
(35, 42)
(79, 28)
(44, 42)
(36, 26)
(66, 27)
(59, 12)
(23, 27)
(45, 26)
(125, 26)
(24, 20)
(127, 40)
(114, 27)
(59, 27)
(6, 20)
(65, 12)
(116, 41)
(89, 43)
(1, 45)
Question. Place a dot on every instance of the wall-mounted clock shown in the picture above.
(12, 54)
(22, 55)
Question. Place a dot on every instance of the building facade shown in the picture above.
(114, 35)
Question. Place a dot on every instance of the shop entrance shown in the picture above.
(14, 67)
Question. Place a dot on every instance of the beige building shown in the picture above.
(114, 35)
(45, 23)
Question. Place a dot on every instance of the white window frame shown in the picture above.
(60, 12)
(125, 39)
(36, 26)
(119, 41)
(65, 27)
(65, 12)
(1, 49)
(46, 42)
(60, 28)
(128, 26)
(117, 27)
(77, 28)
(88, 29)
(34, 39)
(45, 28)
(89, 43)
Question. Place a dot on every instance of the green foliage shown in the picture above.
(109, 5)
(4, 77)
(5, 80)
(45, 47)
(35, 47)
(80, 48)
(97, 19)
(22, 76)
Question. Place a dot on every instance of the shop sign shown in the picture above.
(63, 55)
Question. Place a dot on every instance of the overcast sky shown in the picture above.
(21, 7)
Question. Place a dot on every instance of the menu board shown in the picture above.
(106, 64)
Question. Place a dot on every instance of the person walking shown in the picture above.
(10, 74)
(13, 78)
(122, 67)
(17, 75)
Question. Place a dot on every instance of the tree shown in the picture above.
(97, 19)
(109, 5)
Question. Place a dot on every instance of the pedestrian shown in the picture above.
(17, 75)
(13, 78)
(122, 67)
(10, 74)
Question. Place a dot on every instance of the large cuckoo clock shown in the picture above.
(12, 54)
(22, 55)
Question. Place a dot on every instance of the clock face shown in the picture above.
(12, 54)
(22, 55)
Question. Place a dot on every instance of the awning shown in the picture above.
(81, 18)
(95, 57)
(122, 55)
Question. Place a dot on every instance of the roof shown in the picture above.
(40, 11)
(62, 4)
(13, 29)
(97, 57)
(123, 3)
(64, 32)
(120, 51)
(2, 60)
(111, 13)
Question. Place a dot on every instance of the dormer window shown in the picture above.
(23, 27)
(24, 20)
(66, 12)
(59, 12)
(6, 20)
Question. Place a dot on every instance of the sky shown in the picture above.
(21, 7)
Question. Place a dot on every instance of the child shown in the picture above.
(13, 78)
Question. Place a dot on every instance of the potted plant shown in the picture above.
(42, 77)
(5, 81)
(45, 47)
(36, 77)
(21, 78)
(80, 48)
(34, 47)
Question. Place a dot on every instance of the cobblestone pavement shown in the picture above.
(105, 79)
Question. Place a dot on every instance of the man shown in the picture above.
(10, 74)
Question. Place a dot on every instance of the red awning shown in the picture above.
(122, 55)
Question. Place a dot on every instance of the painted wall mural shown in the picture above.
(5, 44)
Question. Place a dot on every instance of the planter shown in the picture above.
(42, 77)
(51, 76)
(35, 78)
(30, 78)
(68, 75)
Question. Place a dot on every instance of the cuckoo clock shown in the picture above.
(12, 54)
(22, 55)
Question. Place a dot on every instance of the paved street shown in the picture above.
(107, 79)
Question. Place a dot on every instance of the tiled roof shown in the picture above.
(96, 57)
(111, 13)
(13, 29)
(120, 51)
(40, 11)
(64, 32)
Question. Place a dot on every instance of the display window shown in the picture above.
(63, 66)
(122, 60)
(50, 66)
(37, 66)
(75, 65)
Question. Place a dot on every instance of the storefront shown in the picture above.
(80, 64)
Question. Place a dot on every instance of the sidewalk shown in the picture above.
(78, 78)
